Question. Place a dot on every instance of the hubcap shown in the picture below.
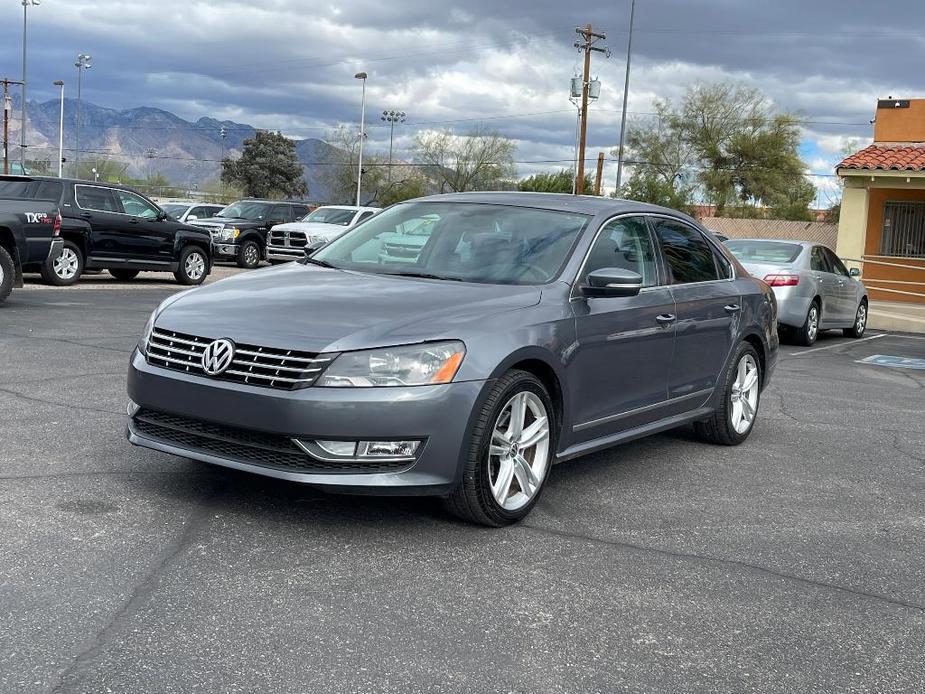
(518, 455)
(65, 265)
(195, 266)
(744, 397)
(813, 322)
(861, 321)
(250, 255)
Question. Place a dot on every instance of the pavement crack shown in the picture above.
(120, 350)
(85, 408)
(895, 445)
(80, 666)
(66, 377)
(726, 562)
(89, 473)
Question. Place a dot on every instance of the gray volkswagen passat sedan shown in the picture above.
(529, 329)
(814, 289)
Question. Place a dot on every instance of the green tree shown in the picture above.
(268, 168)
(478, 160)
(412, 187)
(340, 170)
(555, 182)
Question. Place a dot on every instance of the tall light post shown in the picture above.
(392, 117)
(361, 76)
(223, 133)
(626, 93)
(60, 85)
(83, 63)
(22, 129)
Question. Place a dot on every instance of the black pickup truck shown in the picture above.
(110, 227)
(29, 227)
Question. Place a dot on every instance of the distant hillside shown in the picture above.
(185, 152)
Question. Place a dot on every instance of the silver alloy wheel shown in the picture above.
(860, 323)
(744, 397)
(65, 265)
(195, 265)
(518, 456)
(812, 322)
(251, 256)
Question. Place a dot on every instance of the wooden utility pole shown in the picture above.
(600, 172)
(7, 108)
(586, 44)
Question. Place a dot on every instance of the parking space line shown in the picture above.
(840, 344)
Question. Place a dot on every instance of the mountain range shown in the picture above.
(151, 140)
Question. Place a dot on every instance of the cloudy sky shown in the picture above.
(289, 64)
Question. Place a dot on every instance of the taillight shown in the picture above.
(780, 280)
(57, 228)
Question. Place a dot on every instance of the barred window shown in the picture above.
(903, 230)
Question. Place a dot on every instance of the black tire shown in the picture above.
(249, 255)
(61, 274)
(719, 428)
(7, 274)
(807, 333)
(473, 499)
(122, 274)
(860, 322)
(185, 273)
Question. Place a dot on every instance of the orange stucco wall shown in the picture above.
(901, 124)
(881, 275)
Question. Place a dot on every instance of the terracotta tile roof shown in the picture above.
(887, 158)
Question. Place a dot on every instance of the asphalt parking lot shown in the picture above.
(793, 563)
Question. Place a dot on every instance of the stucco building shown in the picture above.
(882, 223)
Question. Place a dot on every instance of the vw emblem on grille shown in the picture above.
(217, 357)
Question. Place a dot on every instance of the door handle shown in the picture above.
(133, 221)
(86, 215)
(666, 319)
(732, 308)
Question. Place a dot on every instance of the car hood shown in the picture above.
(311, 227)
(316, 309)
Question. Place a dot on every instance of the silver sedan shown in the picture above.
(814, 289)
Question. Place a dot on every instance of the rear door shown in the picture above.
(826, 284)
(708, 309)
(97, 206)
(624, 350)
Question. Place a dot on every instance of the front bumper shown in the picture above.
(436, 415)
(284, 253)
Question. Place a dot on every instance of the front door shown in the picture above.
(620, 367)
(143, 236)
(844, 288)
(708, 310)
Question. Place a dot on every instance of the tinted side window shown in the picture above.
(625, 244)
(282, 212)
(299, 211)
(93, 198)
(135, 205)
(838, 267)
(817, 261)
(688, 256)
(364, 215)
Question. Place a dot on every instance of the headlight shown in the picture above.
(146, 333)
(229, 234)
(412, 365)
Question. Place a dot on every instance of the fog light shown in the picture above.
(387, 449)
(345, 449)
(132, 408)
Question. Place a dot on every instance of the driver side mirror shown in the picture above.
(854, 272)
(611, 282)
(161, 216)
(191, 217)
(313, 247)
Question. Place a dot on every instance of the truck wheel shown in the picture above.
(249, 255)
(7, 274)
(64, 269)
(194, 266)
(122, 274)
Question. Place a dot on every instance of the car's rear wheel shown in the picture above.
(734, 418)
(510, 453)
(193, 267)
(249, 255)
(65, 268)
(807, 333)
(860, 322)
(123, 274)
(7, 273)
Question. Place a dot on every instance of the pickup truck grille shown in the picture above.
(288, 239)
(401, 251)
(252, 364)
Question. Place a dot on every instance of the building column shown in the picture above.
(852, 222)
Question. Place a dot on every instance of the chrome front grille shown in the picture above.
(288, 239)
(252, 364)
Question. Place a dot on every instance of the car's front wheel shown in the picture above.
(860, 322)
(249, 255)
(193, 266)
(510, 452)
(734, 418)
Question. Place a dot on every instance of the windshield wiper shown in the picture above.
(423, 275)
(319, 263)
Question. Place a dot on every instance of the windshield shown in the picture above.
(246, 210)
(471, 242)
(764, 251)
(174, 210)
(331, 215)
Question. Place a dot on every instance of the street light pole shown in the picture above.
(223, 133)
(361, 76)
(392, 117)
(60, 85)
(83, 63)
(22, 129)
(626, 93)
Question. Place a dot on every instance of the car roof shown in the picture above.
(560, 202)
(792, 242)
(349, 207)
